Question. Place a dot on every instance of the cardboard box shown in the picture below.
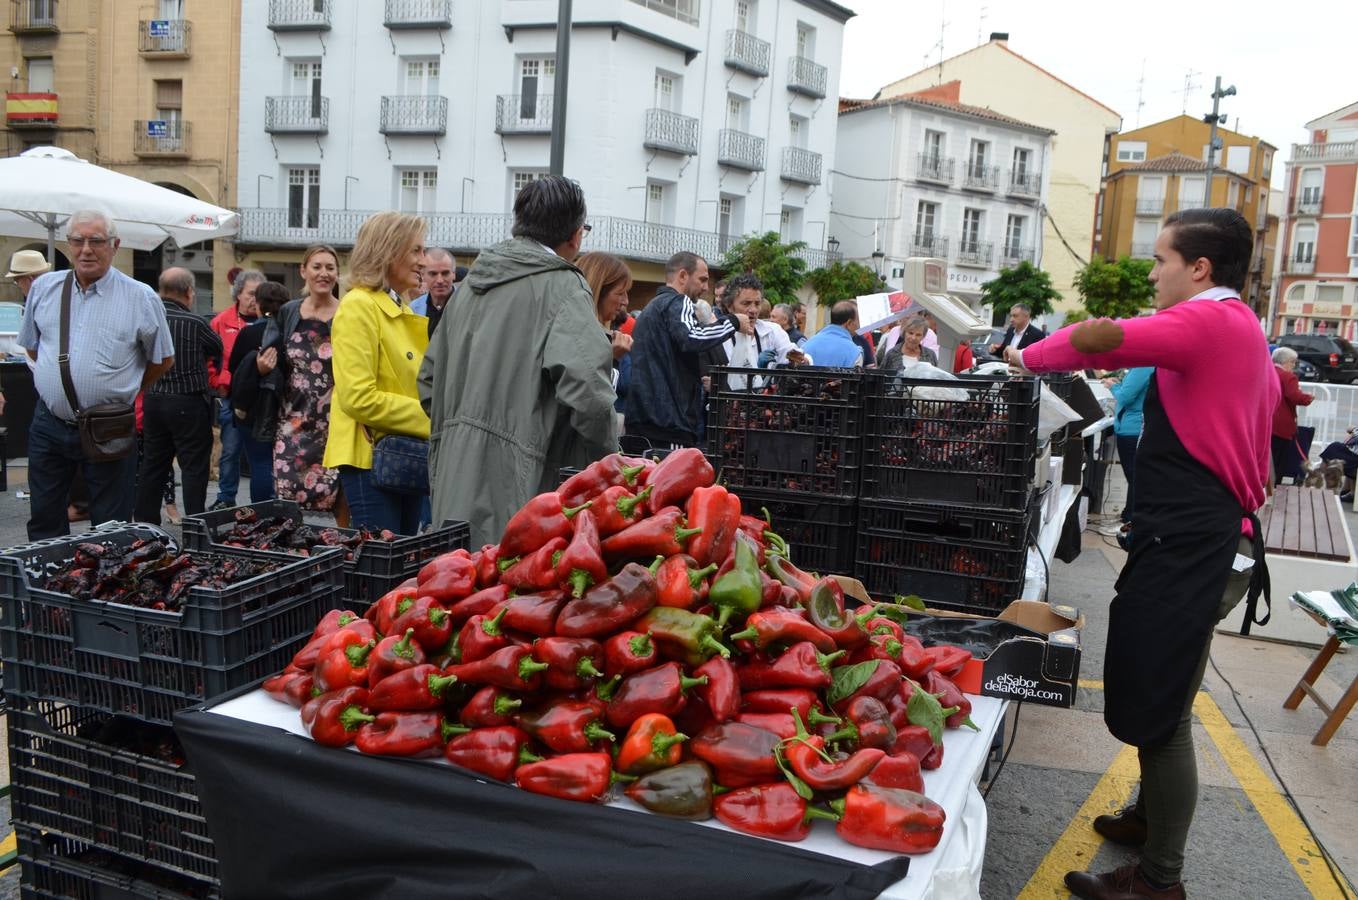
(1041, 667)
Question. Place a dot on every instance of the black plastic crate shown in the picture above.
(971, 441)
(819, 530)
(376, 568)
(57, 867)
(794, 429)
(75, 772)
(149, 663)
(969, 560)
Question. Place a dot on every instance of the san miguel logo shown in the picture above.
(198, 219)
(1011, 685)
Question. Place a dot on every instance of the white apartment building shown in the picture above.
(924, 175)
(688, 123)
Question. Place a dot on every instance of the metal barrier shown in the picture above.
(1331, 414)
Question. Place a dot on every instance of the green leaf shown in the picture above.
(801, 787)
(845, 680)
(924, 709)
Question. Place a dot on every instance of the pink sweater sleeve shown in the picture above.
(1170, 339)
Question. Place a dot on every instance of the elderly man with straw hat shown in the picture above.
(24, 266)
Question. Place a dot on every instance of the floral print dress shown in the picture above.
(304, 423)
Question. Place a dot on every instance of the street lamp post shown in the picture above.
(1214, 117)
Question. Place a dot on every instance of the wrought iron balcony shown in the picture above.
(747, 53)
(414, 114)
(935, 168)
(164, 38)
(1012, 254)
(1142, 251)
(801, 166)
(1025, 184)
(523, 114)
(974, 253)
(407, 14)
(926, 243)
(34, 17)
(740, 150)
(1191, 203)
(671, 132)
(684, 10)
(817, 259)
(1308, 204)
(297, 115)
(978, 177)
(299, 15)
(161, 138)
(806, 76)
(1301, 265)
(1150, 206)
(31, 110)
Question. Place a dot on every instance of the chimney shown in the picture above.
(1001, 36)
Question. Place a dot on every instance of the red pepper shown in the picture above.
(572, 662)
(869, 724)
(663, 534)
(534, 613)
(535, 571)
(321, 643)
(627, 652)
(618, 508)
(721, 692)
(677, 476)
(780, 625)
(567, 726)
(801, 665)
(481, 602)
(421, 687)
(762, 532)
(808, 760)
(785, 573)
(611, 606)
(512, 668)
(343, 667)
(584, 777)
(680, 584)
(738, 748)
(773, 700)
(441, 562)
(451, 577)
(913, 739)
(651, 743)
(948, 660)
(333, 621)
(949, 695)
(873, 623)
(781, 724)
(689, 637)
(481, 636)
(889, 819)
(881, 646)
(394, 654)
(432, 625)
(581, 564)
(390, 605)
(898, 770)
(717, 512)
(611, 471)
(933, 759)
(495, 752)
(657, 690)
(487, 570)
(333, 719)
(765, 810)
(882, 682)
(540, 521)
(414, 734)
(914, 661)
(826, 610)
(291, 686)
(489, 708)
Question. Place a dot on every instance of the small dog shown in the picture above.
(1328, 475)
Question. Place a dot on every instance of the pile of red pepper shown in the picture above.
(633, 626)
(287, 535)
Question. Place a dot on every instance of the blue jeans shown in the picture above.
(373, 508)
(260, 454)
(54, 455)
(228, 466)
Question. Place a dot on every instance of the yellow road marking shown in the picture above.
(1090, 684)
(1282, 820)
(1078, 844)
(8, 845)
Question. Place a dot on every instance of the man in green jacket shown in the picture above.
(517, 382)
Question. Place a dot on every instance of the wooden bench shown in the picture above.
(1305, 522)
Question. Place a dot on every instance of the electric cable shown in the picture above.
(1013, 735)
(1071, 250)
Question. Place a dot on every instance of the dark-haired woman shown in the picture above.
(253, 349)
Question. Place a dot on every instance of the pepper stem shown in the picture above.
(440, 683)
(696, 576)
(580, 579)
(640, 645)
(655, 566)
(619, 778)
(596, 732)
(776, 543)
(572, 511)
(492, 626)
(404, 647)
(749, 634)
(685, 682)
(357, 654)
(826, 658)
(503, 564)
(662, 742)
(713, 646)
(437, 615)
(816, 717)
(630, 473)
(683, 534)
(723, 614)
(626, 505)
(604, 690)
(353, 716)
(528, 667)
(504, 705)
(815, 812)
(585, 668)
(848, 733)
(448, 730)
(527, 756)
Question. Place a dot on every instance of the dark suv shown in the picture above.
(1335, 357)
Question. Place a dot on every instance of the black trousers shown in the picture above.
(174, 426)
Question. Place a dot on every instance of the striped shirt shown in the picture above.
(117, 328)
(194, 344)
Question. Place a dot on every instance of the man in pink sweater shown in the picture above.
(1201, 467)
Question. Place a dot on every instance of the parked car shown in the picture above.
(980, 347)
(1306, 371)
(1334, 358)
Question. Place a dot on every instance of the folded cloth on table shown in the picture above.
(1339, 609)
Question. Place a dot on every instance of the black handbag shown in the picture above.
(401, 464)
(108, 431)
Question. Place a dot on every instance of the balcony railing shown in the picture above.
(974, 253)
(1332, 150)
(1025, 184)
(299, 15)
(684, 10)
(34, 17)
(1308, 205)
(297, 115)
(935, 168)
(30, 110)
(747, 53)
(740, 150)
(401, 14)
(1301, 265)
(1150, 206)
(806, 76)
(523, 114)
(1190, 203)
(801, 166)
(162, 138)
(929, 244)
(981, 178)
(671, 132)
(164, 38)
(1142, 251)
(1012, 254)
(414, 114)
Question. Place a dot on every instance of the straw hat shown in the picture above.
(27, 262)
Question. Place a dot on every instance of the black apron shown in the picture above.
(1185, 534)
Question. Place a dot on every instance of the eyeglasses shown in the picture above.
(587, 228)
(93, 243)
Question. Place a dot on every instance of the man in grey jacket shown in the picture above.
(517, 381)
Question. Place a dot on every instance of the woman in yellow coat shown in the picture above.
(378, 345)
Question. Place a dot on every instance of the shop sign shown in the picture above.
(968, 281)
(1326, 308)
(160, 28)
(157, 128)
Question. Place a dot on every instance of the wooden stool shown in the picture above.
(1334, 716)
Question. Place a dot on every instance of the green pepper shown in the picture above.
(740, 590)
(682, 792)
(684, 635)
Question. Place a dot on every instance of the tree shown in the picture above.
(1115, 290)
(771, 261)
(843, 281)
(1024, 283)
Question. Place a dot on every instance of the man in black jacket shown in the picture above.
(664, 398)
(1020, 324)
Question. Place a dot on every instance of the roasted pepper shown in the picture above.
(629, 651)
(651, 743)
(717, 512)
(495, 752)
(421, 687)
(431, 622)
(611, 471)
(681, 792)
(413, 734)
(618, 508)
(450, 577)
(868, 724)
(800, 666)
(680, 585)
(584, 777)
(806, 756)
(572, 662)
(826, 611)
(663, 534)
(489, 707)
(779, 625)
(540, 521)
(291, 686)
(333, 719)
(677, 476)
(610, 606)
(948, 660)
(889, 819)
(740, 591)
(765, 810)
(679, 634)
(512, 668)
(661, 689)
(566, 726)
(898, 770)
(343, 667)
(482, 601)
(534, 613)
(782, 570)
(738, 748)
(950, 695)
(535, 571)
(721, 693)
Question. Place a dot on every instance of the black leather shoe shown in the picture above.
(1126, 827)
(1126, 883)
